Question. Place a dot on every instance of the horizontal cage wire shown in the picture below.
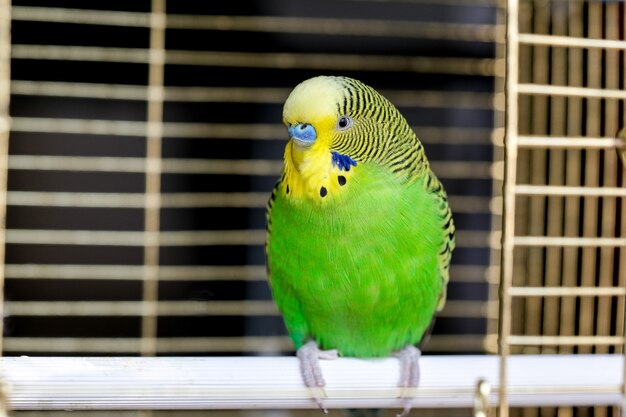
(564, 220)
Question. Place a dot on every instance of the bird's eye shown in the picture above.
(344, 123)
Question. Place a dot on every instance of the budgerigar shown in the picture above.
(359, 231)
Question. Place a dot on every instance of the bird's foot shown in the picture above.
(309, 355)
(409, 375)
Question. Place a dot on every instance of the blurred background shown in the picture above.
(123, 240)
(146, 137)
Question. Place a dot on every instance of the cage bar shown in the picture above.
(508, 221)
(5, 127)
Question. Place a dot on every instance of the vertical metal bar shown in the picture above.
(508, 232)
(556, 204)
(621, 276)
(538, 205)
(621, 304)
(621, 265)
(556, 157)
(5, 126)
(573, 167)
(153, 177)
(525, 158)
(608, 214)
(586, 314)
(574, 64)
(498, 140)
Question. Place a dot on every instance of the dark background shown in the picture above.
(445, 147)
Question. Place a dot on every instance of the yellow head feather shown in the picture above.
(309, 168)
(313, 100)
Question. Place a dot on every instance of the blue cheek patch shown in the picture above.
(343, 162)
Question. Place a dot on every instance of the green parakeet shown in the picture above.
(359, 231)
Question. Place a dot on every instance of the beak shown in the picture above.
(302, 134)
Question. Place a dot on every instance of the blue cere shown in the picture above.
(303, 133)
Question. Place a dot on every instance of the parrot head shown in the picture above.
(313, 119)
(335, 124)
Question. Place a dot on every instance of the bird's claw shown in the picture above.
(309, 355)
(409, 376)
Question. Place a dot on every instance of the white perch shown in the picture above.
(95, 383)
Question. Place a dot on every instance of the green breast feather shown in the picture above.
(365, 273)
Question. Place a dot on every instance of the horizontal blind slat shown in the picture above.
(260, 131)
(465, 32)
(286, 60)
(269, 344)
(417, 98)
(445, 169)
(464, 238)
(453, 308)
(459, 273)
